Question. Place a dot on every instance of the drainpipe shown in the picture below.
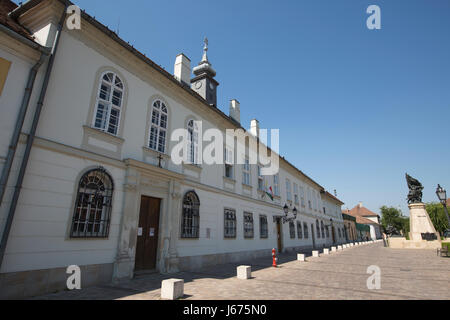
(30, 140)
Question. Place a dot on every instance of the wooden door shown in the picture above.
(147, 239)
(279, 243)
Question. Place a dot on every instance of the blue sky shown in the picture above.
(356, 108)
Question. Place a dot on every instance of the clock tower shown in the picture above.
(203, 82)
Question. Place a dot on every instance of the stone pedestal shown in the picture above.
(315, 253)
(244, 272)
(420, 222)
(326, 251)
(301, 257)
(172, 289)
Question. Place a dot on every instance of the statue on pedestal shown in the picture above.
(415, 190)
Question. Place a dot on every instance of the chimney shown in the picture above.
(360, 204)
(235, 110)
(254, 128)
(182, 69)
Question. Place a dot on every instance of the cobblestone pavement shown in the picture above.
(405, 274)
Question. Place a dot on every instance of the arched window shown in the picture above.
(192, 128)
(317, 229)
(158, 127)
(327, 230)
(109, 103)
(190, 220)
(92, 214)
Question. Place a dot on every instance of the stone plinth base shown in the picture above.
(420, 222)
(402, 243)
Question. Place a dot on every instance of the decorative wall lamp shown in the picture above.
(442, 196)
(286, 213)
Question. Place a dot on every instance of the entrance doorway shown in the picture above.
(279, 238)
(313, 237)
(147, 238)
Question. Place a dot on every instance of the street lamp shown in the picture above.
(442, 196)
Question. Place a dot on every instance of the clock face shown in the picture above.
(211, 86)
(198, 85)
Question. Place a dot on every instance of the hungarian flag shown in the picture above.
(270, 194)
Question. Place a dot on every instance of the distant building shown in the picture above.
(349, 227)
(367, 217)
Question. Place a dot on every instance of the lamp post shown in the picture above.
(442, 196)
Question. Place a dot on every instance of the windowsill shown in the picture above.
(247, 186)
(102, 142)
(104, 134)
(229, 180)
(192, 166)
(153, 152)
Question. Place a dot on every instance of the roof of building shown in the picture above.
(448, 202)
(17, 11)
(360, 212)
(6, 6)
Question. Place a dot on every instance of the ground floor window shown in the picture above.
(299, 230)
(248, 225)
(263, 230)
(92, 215)
(191, 216)
(230, 223)
(292, 229)
(305, 230)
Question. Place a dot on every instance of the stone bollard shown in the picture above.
(300, 257)
(339, 247)
(333, 249)
(244, 272)
(315, 254)
(172, 289)
(326, 251)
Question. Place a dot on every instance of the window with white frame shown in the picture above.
(288, 190)
(228, 154)
(260, 178)
(109, 103)
(158, 127)
(248, 225)
(296, 193)
(229, 223)
(246, 172)
(276, 185)
(193, 150)
(302, 197)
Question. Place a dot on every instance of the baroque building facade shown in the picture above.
(95, 184)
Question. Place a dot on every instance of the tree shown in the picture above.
(437, 215)
(393, 222)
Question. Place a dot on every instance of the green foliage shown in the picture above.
(446, 244)
(437, 215)
(392, 217)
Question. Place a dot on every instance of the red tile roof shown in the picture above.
(6, 6)
(448, 202)
(360, 212)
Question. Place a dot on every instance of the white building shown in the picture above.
(100, 189)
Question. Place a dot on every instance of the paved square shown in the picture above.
(405, 274)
